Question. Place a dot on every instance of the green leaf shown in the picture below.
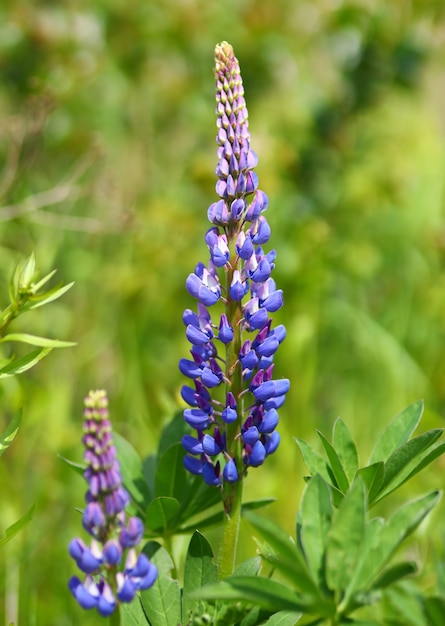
(28, 272)
(161, 515)
(162, 602)
(398, 431)
(372, 476)
(8, 435)
(264, 592)
(397, 467)
(345, 447)
(316, 514)
(79, 468)
(404, 521)
(218, 517)
(283, 618)
(39, 300)
(395, 573)
(345, 538)
(132, 614)
(434, 608)
(251, 567)
(17, 526)
(423, 459)
(18, 366)
(132, 471)
(170, 476)
(337, 468)
(199, 570)
(313, 461)
(285, 555)
(33, 340)
(172, 433)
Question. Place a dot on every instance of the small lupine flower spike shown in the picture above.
(114, 572)
(234, 400)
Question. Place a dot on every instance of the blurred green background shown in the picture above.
(107, 158)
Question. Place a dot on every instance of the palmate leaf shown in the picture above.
(316, 514)
(341, 480)
(383, 539)
(162, 602)
(264, 592)
(346, 449)
(345, 538)
(8, 435)
(397, 432)
(284, 554)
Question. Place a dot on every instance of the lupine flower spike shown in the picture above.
(233, 398)
(113, 570)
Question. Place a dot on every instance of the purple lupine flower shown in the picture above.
(233, 407)
(113, 571)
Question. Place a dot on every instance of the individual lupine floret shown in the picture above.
(114, 572)
(230, 437)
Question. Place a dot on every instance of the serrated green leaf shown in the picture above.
(161, 515)
(398, 431)
(394, 573)
(341, 480)
(17, 526)
(24, 363)
(132, 471)
(199, 570)
(316, 515)
(346, 449)
(345, 538)
(313, 461)
(285, 555)
(397, 467)
(162, 602)
(33, 340)
(8, 435)
(372, 476)
(170, 476)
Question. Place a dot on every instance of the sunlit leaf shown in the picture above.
(33, 340)
(24, 363)
(397, 432)
(8, 435)
(346, 449)
(345, 538)
(337, 468)
(17, 526)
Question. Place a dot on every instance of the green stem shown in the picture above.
(115, 618)
(229, 540)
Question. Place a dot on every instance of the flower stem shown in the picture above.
(115, 618)
(229, 540)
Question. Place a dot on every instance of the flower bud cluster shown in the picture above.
(114, 571)
(238, 276)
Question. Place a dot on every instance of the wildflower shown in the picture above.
(113, 570)
(234, 400)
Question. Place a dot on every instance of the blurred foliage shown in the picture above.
(107, 159)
